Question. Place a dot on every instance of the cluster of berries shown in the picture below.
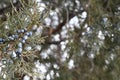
(22, 39)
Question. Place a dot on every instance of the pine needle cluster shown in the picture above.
(17, 33)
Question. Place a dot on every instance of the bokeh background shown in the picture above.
(82, 39)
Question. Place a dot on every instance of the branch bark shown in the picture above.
(59, 27)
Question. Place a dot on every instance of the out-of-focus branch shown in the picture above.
(56, 42)
(59, 27)
(52, 31)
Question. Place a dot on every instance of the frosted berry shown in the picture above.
(29, 33)
(20, 45)
(15, 36)
(2, 40)
(19, 50)
(18, 31)
(25, 37)
(23, 40)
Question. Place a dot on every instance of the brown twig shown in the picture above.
(59, 27)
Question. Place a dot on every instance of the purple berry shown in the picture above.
(29, 33)
(18, 31)
(23, 41)
(25, 37)
(2, 40)
(20, 45)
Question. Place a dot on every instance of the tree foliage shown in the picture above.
(72, 39)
